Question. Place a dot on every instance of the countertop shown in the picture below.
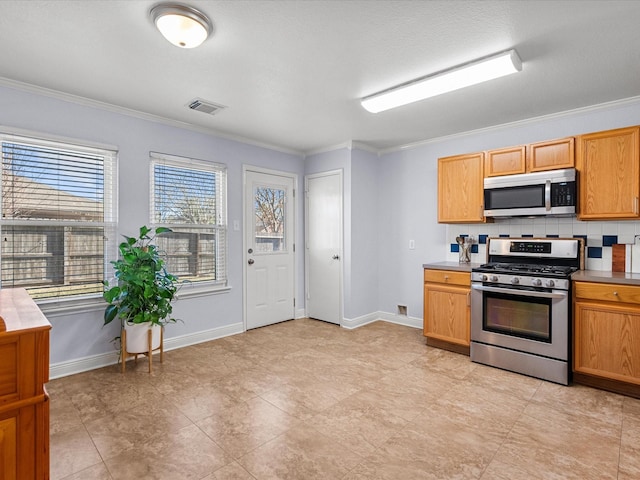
(19, 312)
(454, 266)
(624, 278)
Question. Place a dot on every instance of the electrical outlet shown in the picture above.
(412, 244)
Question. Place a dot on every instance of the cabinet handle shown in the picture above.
(468, 299)
(635, 205)
(615, 294)
(446, 278)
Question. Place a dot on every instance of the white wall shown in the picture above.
(388, 201)
(362, 297)
(360, 230)
(77, 336)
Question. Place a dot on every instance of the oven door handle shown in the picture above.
(523, 293)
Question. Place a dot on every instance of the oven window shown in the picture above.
(526, 317)
(514, 197)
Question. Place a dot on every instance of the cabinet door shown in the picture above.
(447, 313)
(460, 189)
(8, 451)
(506, 161)
(551, 155)
(609, 174)
(606, 341)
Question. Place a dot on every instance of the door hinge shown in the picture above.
(294, 302)
(294, 247)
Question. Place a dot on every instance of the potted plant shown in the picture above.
(142, 295)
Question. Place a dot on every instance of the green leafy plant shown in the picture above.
(144, 289)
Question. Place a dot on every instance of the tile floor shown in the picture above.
(308, 400)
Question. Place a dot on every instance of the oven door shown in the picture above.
(532, 321)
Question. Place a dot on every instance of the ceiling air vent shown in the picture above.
(205, 107)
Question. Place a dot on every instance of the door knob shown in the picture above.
(336, 257)
(251, 261)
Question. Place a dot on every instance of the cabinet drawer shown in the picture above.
(607, 292)
(447, 276)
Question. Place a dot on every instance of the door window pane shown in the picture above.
(270, 204)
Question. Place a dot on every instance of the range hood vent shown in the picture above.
(205, 106)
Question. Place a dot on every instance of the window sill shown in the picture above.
(57, 308)
(192, 290)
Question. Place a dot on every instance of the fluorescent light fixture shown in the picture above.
(182, 25)
(465, 75)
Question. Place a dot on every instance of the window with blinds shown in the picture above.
(189, 196)
(58, 209)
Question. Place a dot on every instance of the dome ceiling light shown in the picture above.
(182, 25)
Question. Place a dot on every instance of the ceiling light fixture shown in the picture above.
(182, 25)
(462, 76)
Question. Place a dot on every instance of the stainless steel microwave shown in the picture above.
(552, 192)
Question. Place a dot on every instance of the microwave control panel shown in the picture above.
(563, 194)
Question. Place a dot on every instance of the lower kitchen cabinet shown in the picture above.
(447, 309)
(607, 336)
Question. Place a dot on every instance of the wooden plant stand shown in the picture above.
(124, 354)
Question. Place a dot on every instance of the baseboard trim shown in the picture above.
(401, 320)
(71, 367)
(351, 323)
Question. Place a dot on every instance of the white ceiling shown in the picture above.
(291, 72)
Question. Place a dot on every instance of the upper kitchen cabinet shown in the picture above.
(460, 194)
(608, 165)
(536, 157)
(505, 161)
(551, 155)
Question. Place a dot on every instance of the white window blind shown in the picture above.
(58, 209)
(189, 196)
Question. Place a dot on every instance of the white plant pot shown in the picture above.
(137, 339)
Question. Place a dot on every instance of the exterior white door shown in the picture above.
(324, 246)
(269, 248)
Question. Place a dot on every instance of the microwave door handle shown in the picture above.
(547, 195)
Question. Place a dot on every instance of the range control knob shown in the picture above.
(494, 278)
(536, 282)
(484, 278)
(550, 283)
(515, 281)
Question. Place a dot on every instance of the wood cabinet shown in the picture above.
(536, 157)
(608, 165)
(447, 309)
(606, 350)
(24, 404)
(505, 161)
(551, 155)
(460, 188)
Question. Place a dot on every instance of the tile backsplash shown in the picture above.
(599, 236)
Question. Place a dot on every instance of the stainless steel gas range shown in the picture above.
(521, 305)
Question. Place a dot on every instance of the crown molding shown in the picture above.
(89, 102)
(519, 123)
(349, 145)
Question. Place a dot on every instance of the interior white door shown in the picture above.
(269, 255)
(324, 246)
